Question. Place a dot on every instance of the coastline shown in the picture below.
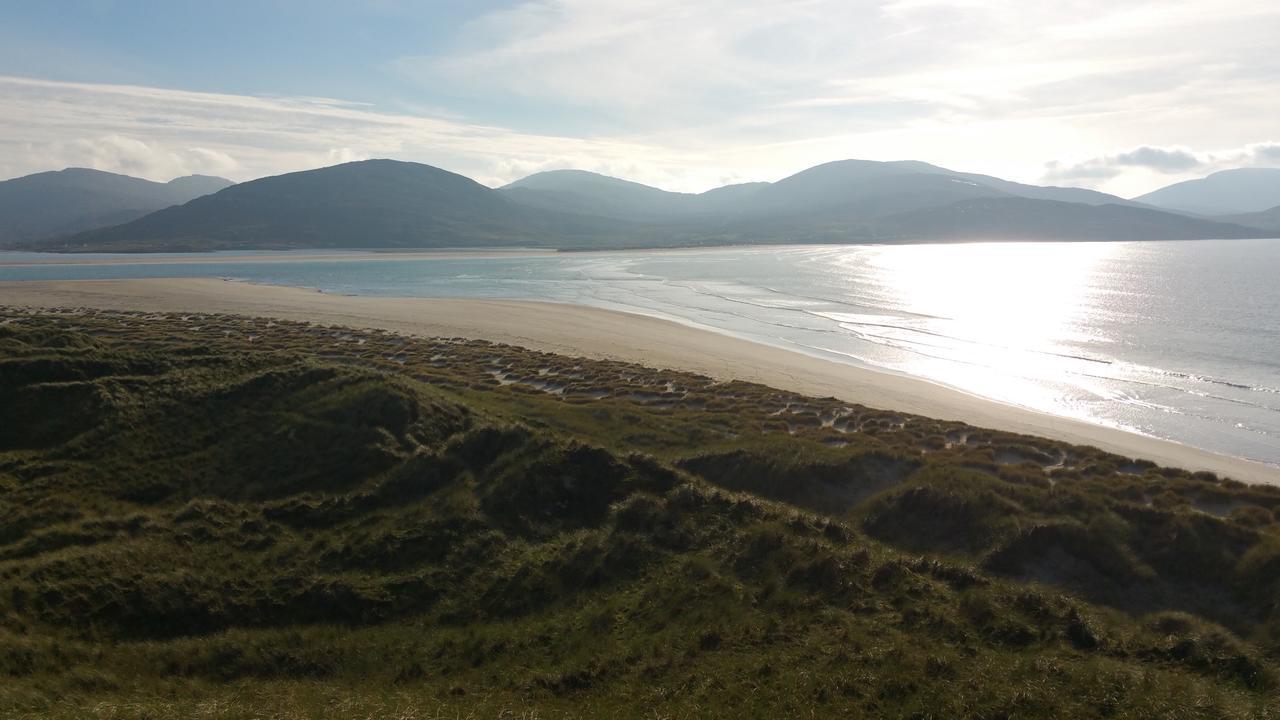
(236, 257)
(607, 334)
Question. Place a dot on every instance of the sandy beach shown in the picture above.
(594, 333)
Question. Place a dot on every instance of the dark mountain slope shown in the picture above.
(373, 203)
(860, 191)
(49, 204)
(986, 215)
(1026, 219)
(387, 204)
(864, 189)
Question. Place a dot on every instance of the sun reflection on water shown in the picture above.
(996, 319)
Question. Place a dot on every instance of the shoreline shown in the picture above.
(583, 331)
(266, 256)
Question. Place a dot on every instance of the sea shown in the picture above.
(1178, 340)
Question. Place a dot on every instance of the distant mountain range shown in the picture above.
(367, 204)
(1230, 192)
(52, 204)
(858, 189)
(1267, 219)
(392, 204)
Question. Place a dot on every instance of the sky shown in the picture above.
(686, 95)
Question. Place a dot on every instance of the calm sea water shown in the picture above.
(1179, 340)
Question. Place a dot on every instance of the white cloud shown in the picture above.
(48, 125)
(684, 95)
(131, 156)
(974, 84)
(1156, 159)
(1182, 163)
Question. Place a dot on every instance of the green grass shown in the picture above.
(225, 517)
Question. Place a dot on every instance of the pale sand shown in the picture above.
(590, 332)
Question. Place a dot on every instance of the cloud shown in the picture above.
(1057, 172)
(992, 85)
(1266, 154)
(158, 134)
(1118, 96)
(1165, 161)
(1157, 159)
(1160, 159)
(802, 64)
(131, 156)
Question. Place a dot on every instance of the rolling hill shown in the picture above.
(50, 204)
(221, 516)
(862, 187)
(391, 204)
(855, 200)
(1016, 218)
(1267, 219)
(586, 193)
(366, 204)
(1230, 192)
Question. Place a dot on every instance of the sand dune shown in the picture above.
(590, 332)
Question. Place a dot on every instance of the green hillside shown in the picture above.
(378, 204)
(367, 204)
(51, 204)
(211, 516)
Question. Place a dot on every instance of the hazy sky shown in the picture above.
(686, 95)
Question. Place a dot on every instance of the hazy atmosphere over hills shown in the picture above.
(391, 204)
(51, 204)
(1244, 190)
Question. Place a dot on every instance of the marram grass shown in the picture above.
(210, 516)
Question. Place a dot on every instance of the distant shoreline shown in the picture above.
(160, 257)
(262, 256)
(606, 334)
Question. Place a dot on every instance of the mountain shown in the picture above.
(1267, 219)
(727, 198)
(856, 200)
(913, 183)
(50, 204)
(858, 189)
(194, 186)
(1018, 218)
(861, 187)
(371, 203)
(587, 193)
(980, 218)
(1230, 192)
(387, 204)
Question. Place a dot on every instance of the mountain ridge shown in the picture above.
(1266, 219)
(394, 204)
(1226, 192)
(61, 202)
(400, 204)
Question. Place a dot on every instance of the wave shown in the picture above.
(997, 346)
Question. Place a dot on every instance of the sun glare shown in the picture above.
(995, 319)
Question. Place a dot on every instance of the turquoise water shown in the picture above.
(1179, 340)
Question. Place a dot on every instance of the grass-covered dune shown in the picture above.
(208, 516)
